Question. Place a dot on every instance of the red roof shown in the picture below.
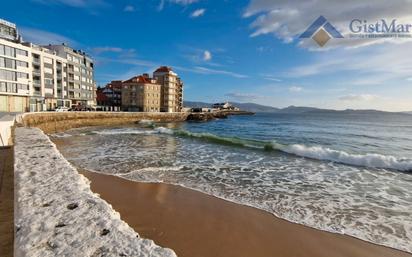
(138, 79)
(163, 69)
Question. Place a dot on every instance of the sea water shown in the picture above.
(344, 172)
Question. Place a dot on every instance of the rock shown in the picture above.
(60, 225)
(104, 232)
(72, 206)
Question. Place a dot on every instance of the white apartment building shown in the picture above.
(40, 78)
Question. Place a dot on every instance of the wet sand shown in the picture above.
(194, 224)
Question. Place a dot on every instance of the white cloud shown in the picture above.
(295, 89)
(74, 3)
(180, 2)
(203, 70)
(271, 78)
(360, 97)
(42, 37)
(207, 56)
(287, 19)
(183, 2)
(198, 13)
(237, 96)
(103, 49)
(129, 8)
(379, 65)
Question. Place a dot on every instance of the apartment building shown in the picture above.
(141, 93)
(39, 78)
(110, 95)
(172, 89)
(79, 74)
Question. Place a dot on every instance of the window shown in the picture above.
(9, 51)
(7, 63)
(22, 75)
(48, 82)
(22, 64)
(3, 87)
(22, 87)
(8, 87)
(21, 52)
(8, 75)
(12, 87)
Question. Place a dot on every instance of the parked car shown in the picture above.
(62, 109)
(82, 108)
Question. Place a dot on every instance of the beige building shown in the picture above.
(141, 94)
(39, 78)
(172, 89)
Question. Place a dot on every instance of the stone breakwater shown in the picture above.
(56, 213)
(52, 122)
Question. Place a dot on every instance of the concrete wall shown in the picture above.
(51, 122)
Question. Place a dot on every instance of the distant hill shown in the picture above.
(252, 107)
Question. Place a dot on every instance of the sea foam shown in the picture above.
(367, 160)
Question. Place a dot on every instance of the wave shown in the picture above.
(372, 160)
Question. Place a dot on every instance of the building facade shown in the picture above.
(141, 94)
(40, 78)
(172, 89)
(110, 95)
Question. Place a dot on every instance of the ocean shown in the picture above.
(347, 173)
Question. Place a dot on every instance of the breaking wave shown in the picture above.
(372, 160)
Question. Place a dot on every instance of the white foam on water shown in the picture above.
(61, 135)
(56, 213)
(368, 203)
(163, 130)
(367, 160)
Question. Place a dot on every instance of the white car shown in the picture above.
(62, 109)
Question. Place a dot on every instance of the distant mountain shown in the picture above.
(252, 107)
(298, 109)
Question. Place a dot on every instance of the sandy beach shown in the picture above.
(198, 225)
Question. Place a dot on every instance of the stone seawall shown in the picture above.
(51, 122)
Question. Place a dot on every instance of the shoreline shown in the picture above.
(57, 214)
(285, 235)
(201, 217)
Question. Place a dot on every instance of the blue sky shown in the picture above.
(235, 50)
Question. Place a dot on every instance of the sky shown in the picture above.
(235, 50)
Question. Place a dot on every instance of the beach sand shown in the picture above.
(194, 224)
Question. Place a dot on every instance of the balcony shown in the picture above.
(36, 83)
(36, 61)
(37, 93)
(36, 72)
